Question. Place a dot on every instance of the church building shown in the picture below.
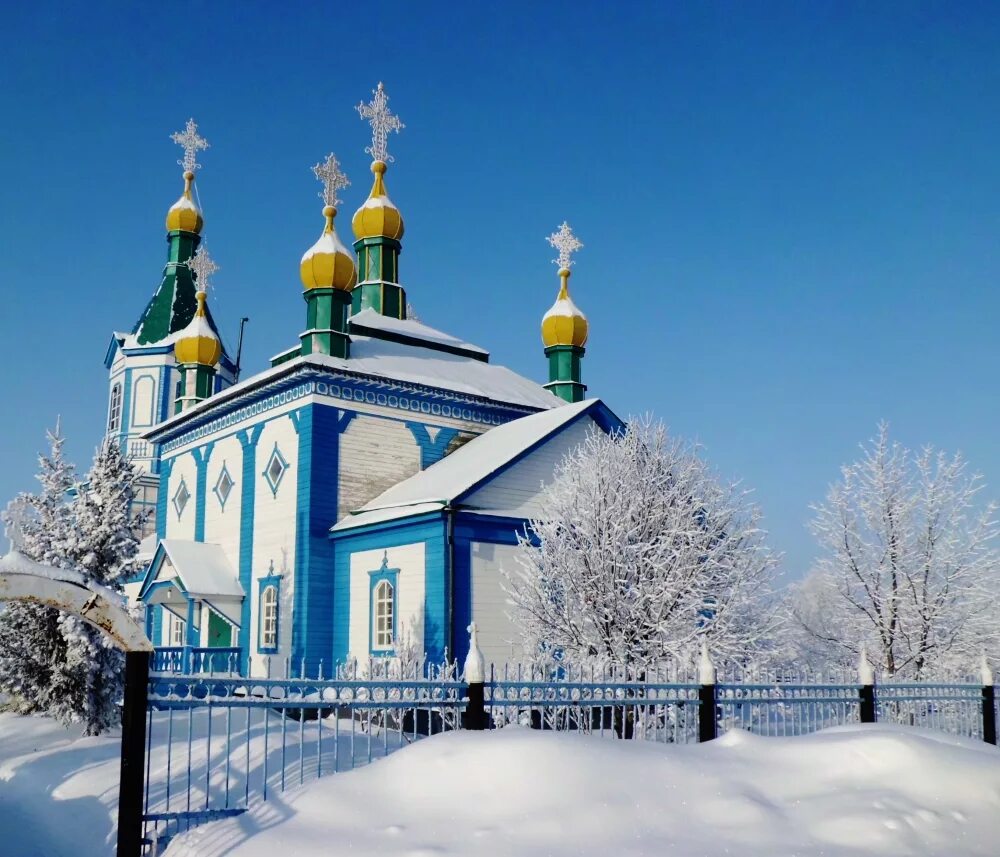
(363, 492)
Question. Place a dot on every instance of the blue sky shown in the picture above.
(790, 210)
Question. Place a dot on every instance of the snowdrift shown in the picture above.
(841, 793)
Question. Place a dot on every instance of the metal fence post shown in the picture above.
(866, 693)
(475, 677)
(989, 704)
(708, 724)
(131, 784)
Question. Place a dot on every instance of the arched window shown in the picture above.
(115, 409)
(268, 617)
(382, 618)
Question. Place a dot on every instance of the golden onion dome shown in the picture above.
(378, 217)
(184, 214)
(564, 324)
(328, 264)
(198, 343)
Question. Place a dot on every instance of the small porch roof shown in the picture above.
(199, 570)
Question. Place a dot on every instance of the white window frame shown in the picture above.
(177, 628)
(383, 615)
(269, 617)
(115, 408)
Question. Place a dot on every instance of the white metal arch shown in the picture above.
(22, 579)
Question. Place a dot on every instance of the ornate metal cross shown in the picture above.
(203, 267)
(382, 122)
(191, 142)
(566, 243)
(333, 179)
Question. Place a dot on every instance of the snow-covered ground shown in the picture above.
(844, 792)
(850, 791)
(58, 791)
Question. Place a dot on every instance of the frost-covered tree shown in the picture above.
(103, 546)
(642, 552)
(50, 661)
(32, 645)
(908, 564)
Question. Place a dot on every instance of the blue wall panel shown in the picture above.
(319, 428)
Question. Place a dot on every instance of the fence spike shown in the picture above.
(706, 669)
(475, 664)
(866, 674)
(986, 674)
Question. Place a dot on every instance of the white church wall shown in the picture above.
(518, 490)
(274, 536)
(181, 527)
(409, 559)
(498, 636)
(222, 522)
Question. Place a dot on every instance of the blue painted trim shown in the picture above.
(126, 409)
(301, 379)
(431, 531)
(166, 467)
(177, 583)
(192, 635)
(319, 429)
(248, 439)
(431, 451)
(201, 457)
(386, 527)
(215, 490)
(276, 483)
(165, 394)
(178, 506)
(262, 584)
(492, 528)
(113, 346)
(461, 574)
(375, 578)
(148, 349)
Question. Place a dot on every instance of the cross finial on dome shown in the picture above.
(203, 267)
(191, 142)
(333, 179)
(382, 122)
(566, 243)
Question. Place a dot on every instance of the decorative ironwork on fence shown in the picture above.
(216, 742)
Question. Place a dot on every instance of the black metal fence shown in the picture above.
(216, 744)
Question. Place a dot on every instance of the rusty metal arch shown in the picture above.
(22, 579)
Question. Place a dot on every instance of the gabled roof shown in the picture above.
(200, 568)
(411, 332)
(456, 475)
(385, 361)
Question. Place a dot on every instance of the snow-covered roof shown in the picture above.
(203, 569)
(375, 324)
(146, 549)
(435, 368)
(455, 474)
(395, 361)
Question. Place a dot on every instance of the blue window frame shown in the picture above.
(275, 469)
(181, 498)
(383, 598)
(224, 486)
(268, 614)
